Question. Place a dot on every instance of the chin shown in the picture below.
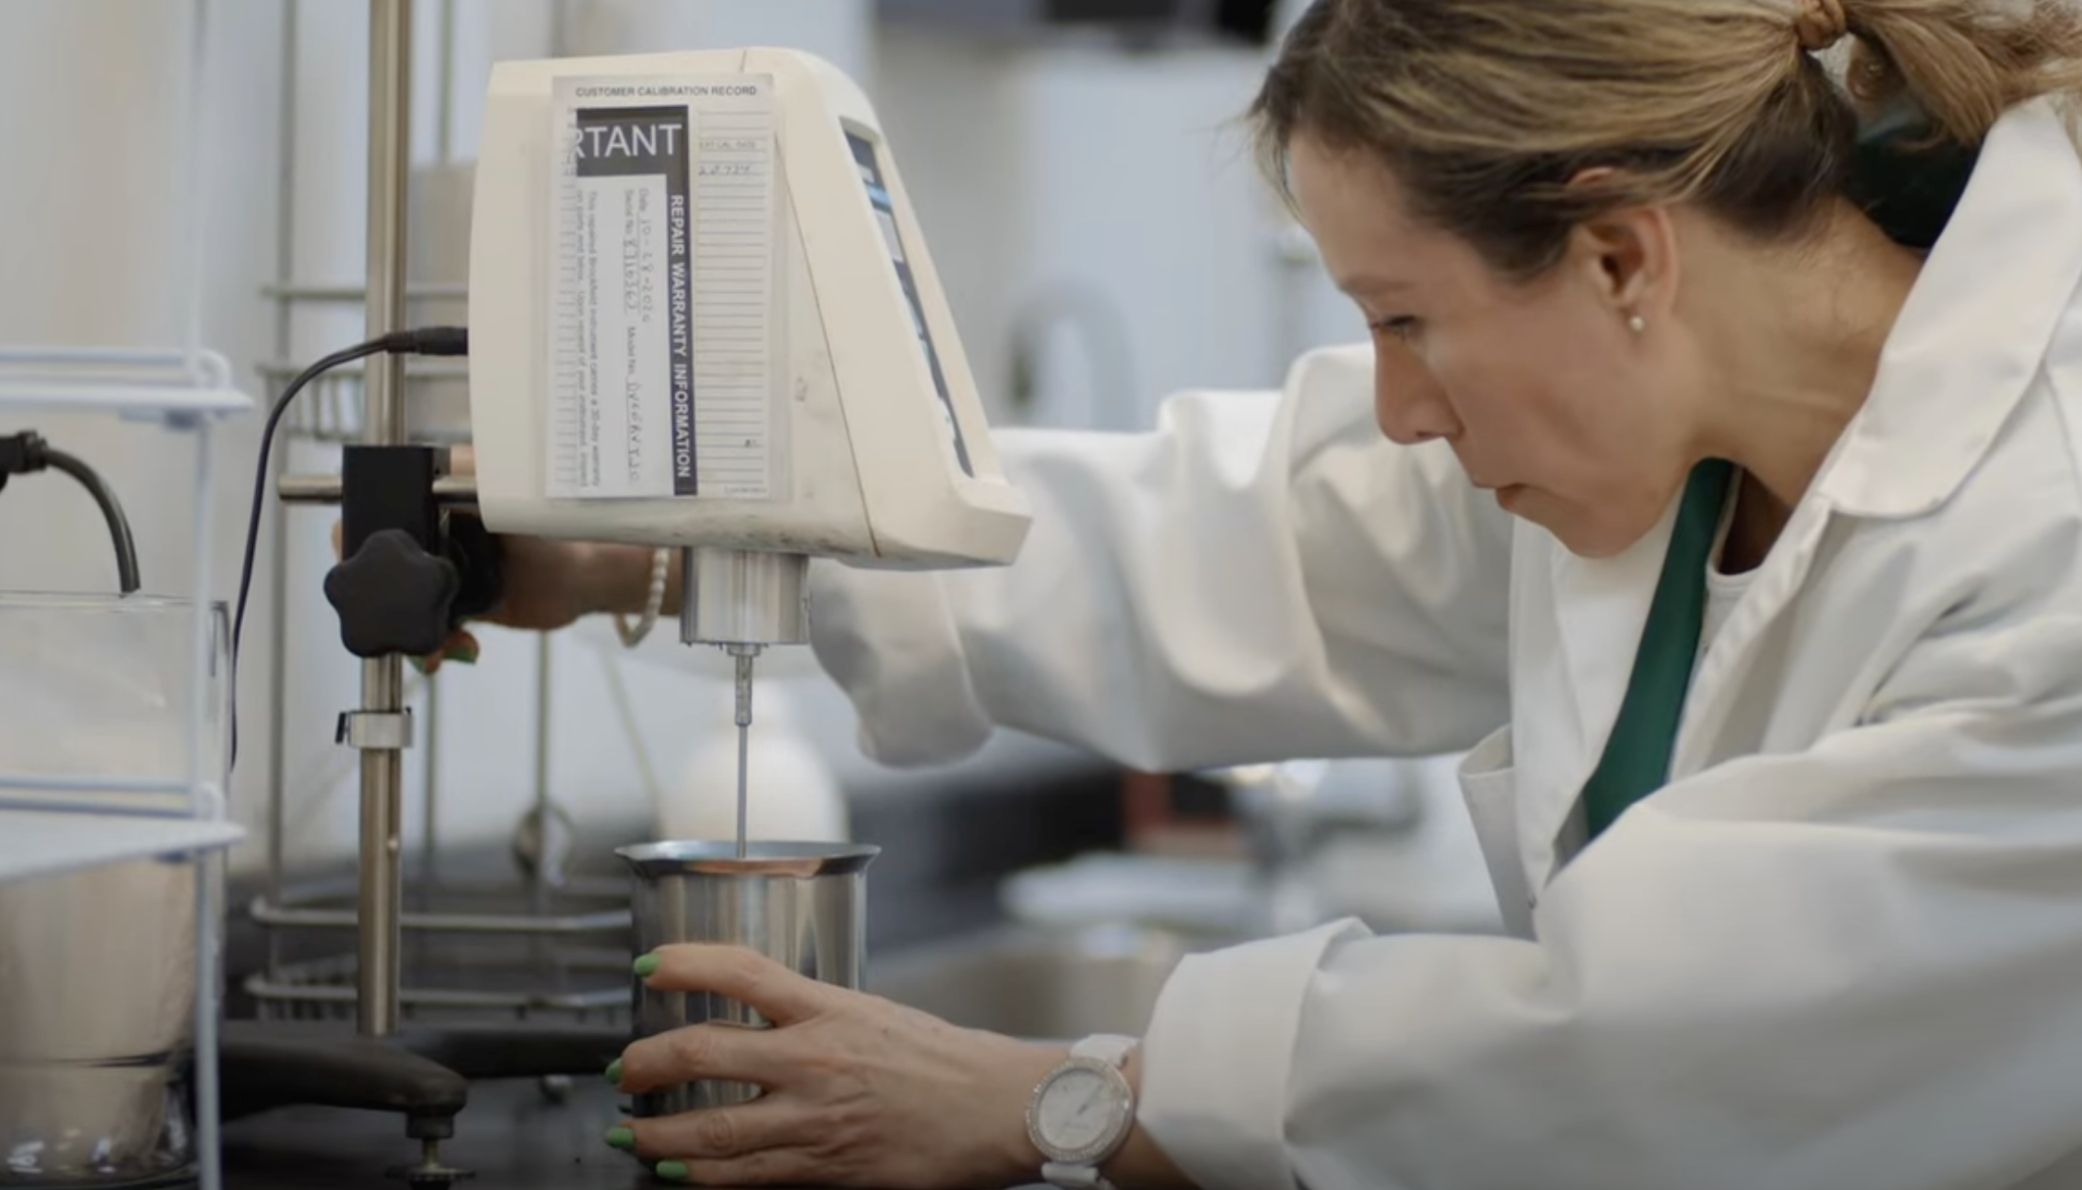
(1586, 536)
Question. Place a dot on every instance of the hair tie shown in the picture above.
(1820, 24)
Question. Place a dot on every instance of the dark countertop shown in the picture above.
(511, 1135)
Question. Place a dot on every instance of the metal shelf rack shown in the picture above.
(50, 826)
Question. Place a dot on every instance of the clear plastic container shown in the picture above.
(99, 689)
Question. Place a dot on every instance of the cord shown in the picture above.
(111, 511)
(436, 340)
(27, 453)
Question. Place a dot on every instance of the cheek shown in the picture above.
(1543, 379)
(1556, 404)
(1519, 382)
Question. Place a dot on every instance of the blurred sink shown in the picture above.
(1047, 985)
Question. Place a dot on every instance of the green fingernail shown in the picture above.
(647, 966)
(420, 664)
(463, 653)
(621, 1138)
(673, 1171)
(614, 1072)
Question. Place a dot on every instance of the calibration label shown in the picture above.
(661, 259)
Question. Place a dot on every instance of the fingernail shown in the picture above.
(614, 1072)
(420, 664)
(463, 652)
(673, 1171)
(621, 1138)
(647, 966)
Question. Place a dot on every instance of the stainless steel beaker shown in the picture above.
(804, 904)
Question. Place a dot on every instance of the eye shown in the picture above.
(1401, 327)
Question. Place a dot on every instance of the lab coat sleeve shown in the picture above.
(1855, 966)
(1263, 576)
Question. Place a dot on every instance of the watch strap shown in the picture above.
(1075, 1177)
(1110, 1048)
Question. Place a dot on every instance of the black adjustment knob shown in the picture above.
(393, 597)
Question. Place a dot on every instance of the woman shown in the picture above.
(1786, 621)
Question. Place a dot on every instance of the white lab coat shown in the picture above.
(1842, 949)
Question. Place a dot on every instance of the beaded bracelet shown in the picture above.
(654, 602)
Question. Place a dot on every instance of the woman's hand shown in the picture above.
(859, 1091)
(546, 584)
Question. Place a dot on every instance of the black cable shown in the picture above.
(111, 511)
(27, 453)
(438, 340)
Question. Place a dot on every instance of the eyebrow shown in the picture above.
(1369, 283)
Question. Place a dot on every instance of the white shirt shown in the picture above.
(1841, 950)
(1723, 590)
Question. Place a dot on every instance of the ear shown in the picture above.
(1629, 255)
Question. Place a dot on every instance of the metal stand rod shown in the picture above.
(377, 977)
(383, 679)
(208, 969)
(278, 542)
(204, 785)
(430, 784)
(451, 491)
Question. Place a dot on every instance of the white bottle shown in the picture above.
(792, 794)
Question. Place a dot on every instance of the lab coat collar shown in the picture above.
(1970, 340)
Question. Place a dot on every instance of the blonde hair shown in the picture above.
(1488, 110)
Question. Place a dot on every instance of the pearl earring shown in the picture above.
(1637, 324)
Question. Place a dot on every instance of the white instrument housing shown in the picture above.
(881, 454)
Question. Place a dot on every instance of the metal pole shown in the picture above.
(540, 886)
(205, 786)
(431, 783)
(278, 550)
(208, 970)
(444, 102)
(190, 288)
(383, 679)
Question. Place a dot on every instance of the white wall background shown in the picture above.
(1090, 203)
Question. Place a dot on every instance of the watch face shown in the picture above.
(1081, 1111)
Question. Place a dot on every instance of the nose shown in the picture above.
(1409, 403)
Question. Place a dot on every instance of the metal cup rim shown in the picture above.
(763, 858)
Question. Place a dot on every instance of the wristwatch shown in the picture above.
(1082, 1113)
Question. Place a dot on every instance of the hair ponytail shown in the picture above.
(1963, 62)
